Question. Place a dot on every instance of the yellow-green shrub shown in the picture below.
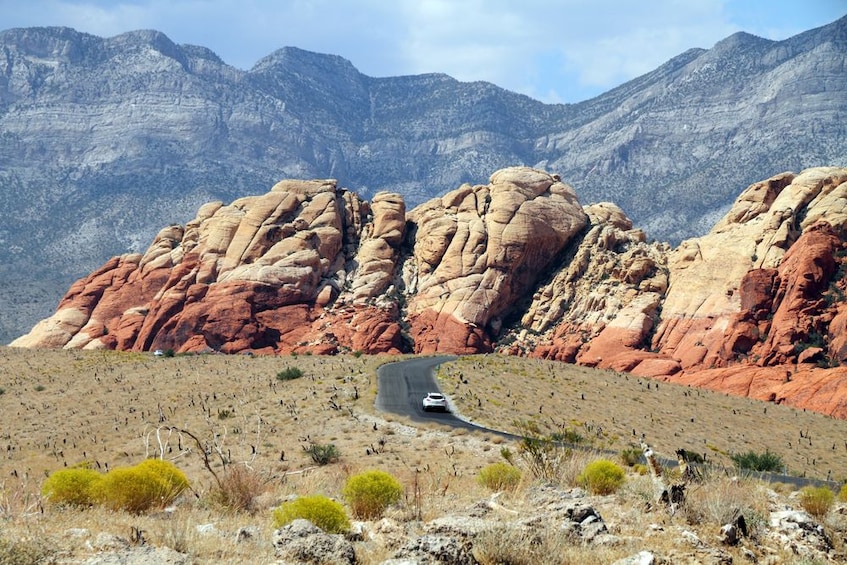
(172, 479)
(842, 495)
(371, 492)
(137, 489)
(601, 477)
(499, 476)
(323, 512)
(816, 500)
(76, 486)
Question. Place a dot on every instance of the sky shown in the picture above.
(557, 51)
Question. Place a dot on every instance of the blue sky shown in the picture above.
(552, 50)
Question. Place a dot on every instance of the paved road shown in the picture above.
(403, 385)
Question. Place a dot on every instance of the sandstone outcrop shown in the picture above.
(255, 275)
(478, 250)
(755, 307)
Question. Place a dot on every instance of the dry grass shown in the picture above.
(612, 410)
(114, 409)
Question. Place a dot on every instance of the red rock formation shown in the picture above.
(299, 268)
(756, 307)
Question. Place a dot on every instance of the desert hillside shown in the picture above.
(114, 409)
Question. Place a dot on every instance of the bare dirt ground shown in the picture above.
(109, 409)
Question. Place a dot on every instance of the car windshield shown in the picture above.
(435, 396)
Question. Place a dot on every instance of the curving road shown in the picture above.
(402, 386)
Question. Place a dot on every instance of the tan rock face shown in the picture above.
(762, 296)
(755, 307)
(478, 250)
(604, 299)
(259, 274)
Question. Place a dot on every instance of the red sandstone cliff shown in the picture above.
(755, 307)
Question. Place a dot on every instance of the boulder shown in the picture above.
(303, 542)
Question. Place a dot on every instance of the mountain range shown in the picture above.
(104, 140)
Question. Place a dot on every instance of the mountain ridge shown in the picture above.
(128, 133)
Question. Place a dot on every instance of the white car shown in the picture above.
(434, 401)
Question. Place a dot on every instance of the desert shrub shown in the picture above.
(541, 453)
(371, 492)
(816, 500)
(289, 374)
(28, 552)
(722, 499)
(75, 486)
(130, 489)
(499, 476)
(322, 454)
(151, 483)
(172, 479)
(842, 494)
(601, 477)
(632, 456)
(323, 512)
(239, 486)
(544, 544)
(568, 435)
(752, 461)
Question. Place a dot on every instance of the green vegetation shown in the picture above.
(289, 374)
(842, 495)
(601, 477)
(632, 456)
(321, 511)
(752, 461)
(541, 453)
(371, 492)
(499, 476)
(322, 454)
